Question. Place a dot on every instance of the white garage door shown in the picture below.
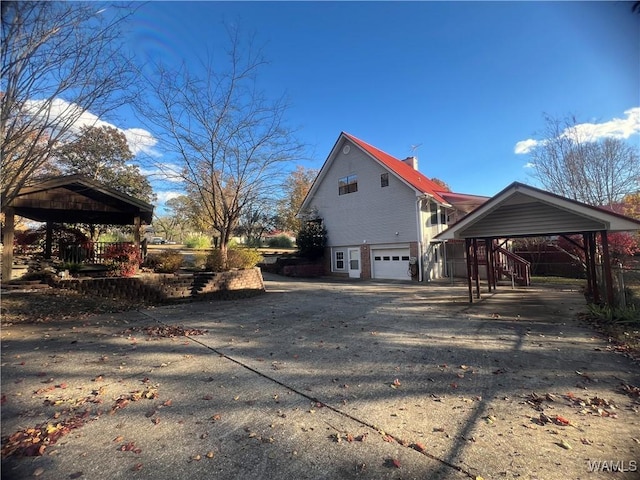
(391, 263)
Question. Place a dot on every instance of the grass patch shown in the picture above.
(576, 282)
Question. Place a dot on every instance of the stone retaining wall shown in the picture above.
(158, 287)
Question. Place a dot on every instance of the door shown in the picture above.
(354, 263)
(391, 263)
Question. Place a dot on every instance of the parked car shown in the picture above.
(157, 241)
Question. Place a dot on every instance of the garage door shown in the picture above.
(391, 263)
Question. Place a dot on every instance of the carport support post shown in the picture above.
(606, 260)
(475, 266)
(489, 260)
(590, 259)
(7, 243)
(467, 243)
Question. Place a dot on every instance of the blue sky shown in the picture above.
(466, 81)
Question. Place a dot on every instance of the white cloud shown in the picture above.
(525, 146)
(138, 139)
(168, 195)
(620, 128)
(529, 165)
(166, 172)
(141, 141)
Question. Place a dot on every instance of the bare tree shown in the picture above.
(62, 65)
(572, 162)
(230, 140)
(295, 189)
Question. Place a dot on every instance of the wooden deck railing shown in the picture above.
(91, 252)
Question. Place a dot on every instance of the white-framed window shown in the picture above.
(348, 184)
(339, 263)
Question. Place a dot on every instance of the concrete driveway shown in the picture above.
(324, 379)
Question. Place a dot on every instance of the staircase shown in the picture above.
(512, 266)
(200, 282)
(508, 265)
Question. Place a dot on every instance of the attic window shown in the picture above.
(384, 179)
(348, 184)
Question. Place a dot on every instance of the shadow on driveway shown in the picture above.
(325, 379)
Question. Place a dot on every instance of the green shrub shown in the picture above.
(113, 237)
(243, 258)
(281, 241)
(123, 260)
(311, 240)
(614, 315)
(214, 262)
(236, 258)
(166, 261)
(198, 242)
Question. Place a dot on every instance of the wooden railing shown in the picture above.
(91, 252)
(511, 265)
(507, 264)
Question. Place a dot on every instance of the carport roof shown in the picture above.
(78, 199)
(521, 211)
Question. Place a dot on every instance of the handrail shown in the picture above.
(513, 265)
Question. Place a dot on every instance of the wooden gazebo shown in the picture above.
(70, 199)
(524, 211)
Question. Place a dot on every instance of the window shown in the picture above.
(433, 208)
(384, 179)
(348, 184)
(339, 260)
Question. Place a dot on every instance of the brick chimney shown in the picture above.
(412, 162)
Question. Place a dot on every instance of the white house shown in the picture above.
(381, 214)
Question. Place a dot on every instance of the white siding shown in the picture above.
(373, 214)
(530, 219)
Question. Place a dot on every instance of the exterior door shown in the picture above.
(354, 263)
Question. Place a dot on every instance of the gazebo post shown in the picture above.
(7, 243)
(606, 260)
(136, 230)
(48, 241)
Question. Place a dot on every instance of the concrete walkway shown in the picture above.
(324, 380)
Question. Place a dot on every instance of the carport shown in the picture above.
(70, 199)
(524, 211)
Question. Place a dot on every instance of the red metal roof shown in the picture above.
(413, 177)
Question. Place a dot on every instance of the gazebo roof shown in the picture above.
(78, 199)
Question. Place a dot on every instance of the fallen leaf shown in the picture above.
(562, 421)
(419, 447)
(564, 444)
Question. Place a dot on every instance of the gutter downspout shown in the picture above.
(420, 237)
